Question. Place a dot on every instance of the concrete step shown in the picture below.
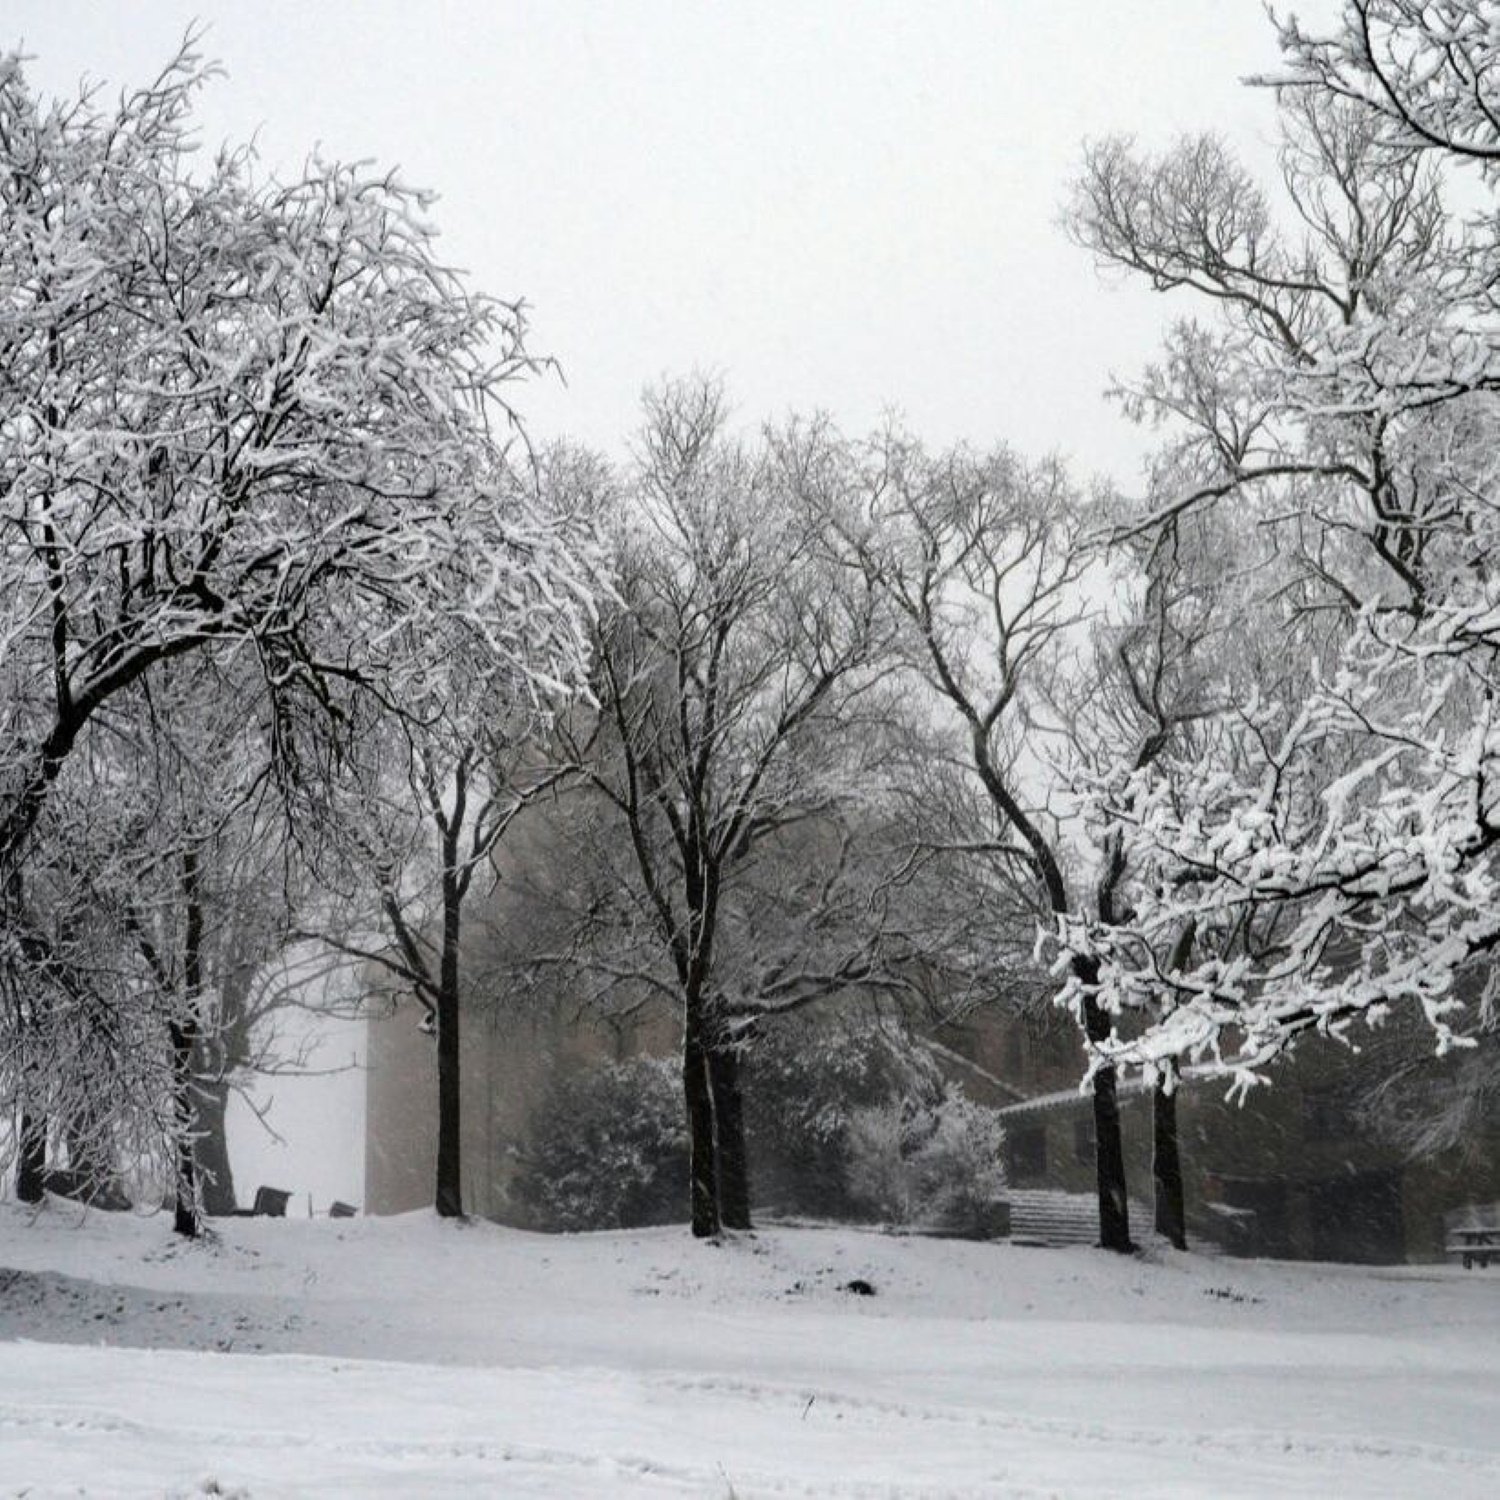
(1046, 1216)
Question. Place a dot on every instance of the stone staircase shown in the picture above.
(1046, 1216)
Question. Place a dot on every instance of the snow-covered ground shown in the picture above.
(412, 1357)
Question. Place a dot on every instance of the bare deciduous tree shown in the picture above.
(984, 559)
(442, 783)
(737, 676)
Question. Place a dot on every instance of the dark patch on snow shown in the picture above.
(67, 1309)
(1228, 1294)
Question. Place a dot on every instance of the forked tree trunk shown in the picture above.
(729, 1133)
(703, 1181)
(1166, 1161)
(1109, 1145)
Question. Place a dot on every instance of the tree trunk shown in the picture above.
(31, 1129)
(184, 1037)
(215, 1175)
(31, 1161)
(729, 1132)
(1109, 1143)
(1114, 1205)
(450, 1203)
(1166, 1161)
(1166, 1143)
(703, 1183)
(185, 1214)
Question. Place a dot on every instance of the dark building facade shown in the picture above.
(1324, 1162)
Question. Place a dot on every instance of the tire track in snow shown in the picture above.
(1001, 1440)
(692, 1480)
(801, 1403)
(1229, 1442)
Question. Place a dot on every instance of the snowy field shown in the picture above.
(411, 1357)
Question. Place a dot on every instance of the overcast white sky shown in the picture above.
(838, 205)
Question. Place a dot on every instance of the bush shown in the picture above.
(842, 1123)
(936, 1163)
(860, 1124)
(803, 1081)
(608, 1149)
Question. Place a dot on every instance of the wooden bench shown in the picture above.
(1475, 1244)
(1472, 1233)
(270, 1203)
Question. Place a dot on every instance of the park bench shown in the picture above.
(1475, 1245)
(1473, 1234)
(270, 1203)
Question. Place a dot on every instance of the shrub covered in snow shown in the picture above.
(858, 1123)
(607, 1149)
(934, 1162)
(803, 1081)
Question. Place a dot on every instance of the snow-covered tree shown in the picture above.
(1176, 647)
(240, 414)
(246, 420)
(439, 787)
(1424, 67)
(161, 870)
(984, 558)
(738, 675)
(1336, 856)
